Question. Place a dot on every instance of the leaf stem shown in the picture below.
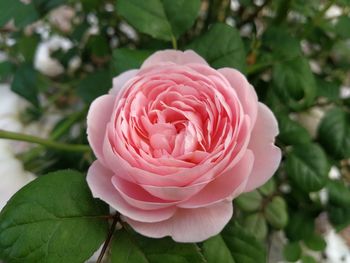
(109, 237)
(174, 42)
(45, 142)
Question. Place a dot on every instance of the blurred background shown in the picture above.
(56, 56)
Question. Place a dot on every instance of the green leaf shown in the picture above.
(52, 219)
(294, 82)
(291, 132)
(132, 248)
(162, 19)
(256, 225)
(315, 242)
(307, 166)
(308, 259)
(327, 89)
(292, 251)
(334, 133)
(342, 26)
(228, 52)
(6, 69)
(249, 202)
(23, 14)
(276, 212)
(300, 226)
(125, 59)
(244, 246)
(25, 83)
(215, 250)
(268, 188)
(94, 85)
(339, 193)
(339, 216)
(27, 45)
(282, 45)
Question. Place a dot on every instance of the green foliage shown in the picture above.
(228, 52)
(294, 54)
(162, 19)
(129, 247)
(308, 167)
(52, 219)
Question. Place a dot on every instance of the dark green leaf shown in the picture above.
(300, 226)
(94, 85)
(315, 242)
(52, 219)
(25, 83)
(294, 83)
(329, 90)
(276, 212)
(342, 27)
(124, 59)
(23, 14)
(6, 69)
(244, 247)
(215, 250)
(308, 259)
(249, 202)
(292, 251)
(339, 193)
(308, 167)
(291, 132)
(334, 133)
(162, 19)
(132, 248)
(339, 216)
(228, 52)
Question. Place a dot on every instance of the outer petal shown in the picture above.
(176, 56)
(228, 185)
(189, 225)
(121, 80)
(244, 90)
(97, 119)
(267, 155)
(99, 181)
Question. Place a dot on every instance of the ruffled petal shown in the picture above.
(189, 225)
(244, 90)
(121, 80)
(99, 180)
(97, 119)
(267, 156)
(175, 56)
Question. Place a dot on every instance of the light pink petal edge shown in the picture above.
(97, 119)
(267, 155)
(189, 225)
(176, 56)
(99, 181)
(244, 90)
(120, 81)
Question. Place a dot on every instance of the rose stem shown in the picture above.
(45, 142)
(109, 237)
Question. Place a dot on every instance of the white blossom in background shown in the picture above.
(62, 17)
(43, 61)
(333, 11)
(336, 251)
(345, 92)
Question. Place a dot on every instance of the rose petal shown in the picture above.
(120, 80)
(189, 225)
(244, 90)
(99, 181)
(97, 119)
(267, 155)
(228, 185)
(175, 56)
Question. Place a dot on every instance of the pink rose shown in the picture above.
(176, 141)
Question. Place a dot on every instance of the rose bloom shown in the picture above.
(176, 141)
